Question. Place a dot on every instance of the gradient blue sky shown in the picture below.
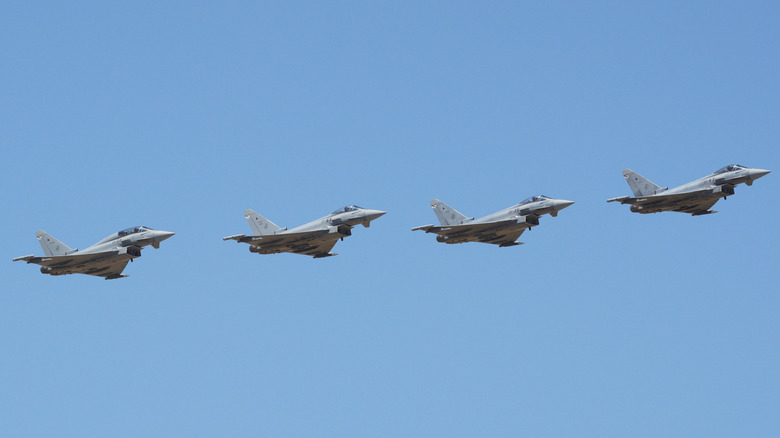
(180, 115)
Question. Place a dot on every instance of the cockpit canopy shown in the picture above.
(347, 209)
(133, 230)
(730, 168)
(536, 198)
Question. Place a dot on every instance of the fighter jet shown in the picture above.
(314, 239)
(696, 197)
(502, 228)
(106, 258)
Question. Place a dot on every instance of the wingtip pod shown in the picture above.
(236, 237)
(26, 258)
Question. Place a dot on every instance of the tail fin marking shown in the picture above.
(446, 214)
(259, 225)
(51, 246)
(640, 185)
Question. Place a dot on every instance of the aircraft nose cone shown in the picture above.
(375, 214)
(758, 173)
(562, 203)
(162, 235)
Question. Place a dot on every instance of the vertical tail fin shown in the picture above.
(640, 185)
(446, 214)
(259, 224)
(51, 246)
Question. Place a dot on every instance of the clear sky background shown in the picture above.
(180, 115)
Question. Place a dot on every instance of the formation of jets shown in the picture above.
(109, 257)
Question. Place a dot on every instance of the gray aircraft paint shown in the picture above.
(448, 215)
(315, 238)
(106, 258)
(502, 228)
(695, 197)
(640, 185)
(51, 246)
(260, 225)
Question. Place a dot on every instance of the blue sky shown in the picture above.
(181, 115)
